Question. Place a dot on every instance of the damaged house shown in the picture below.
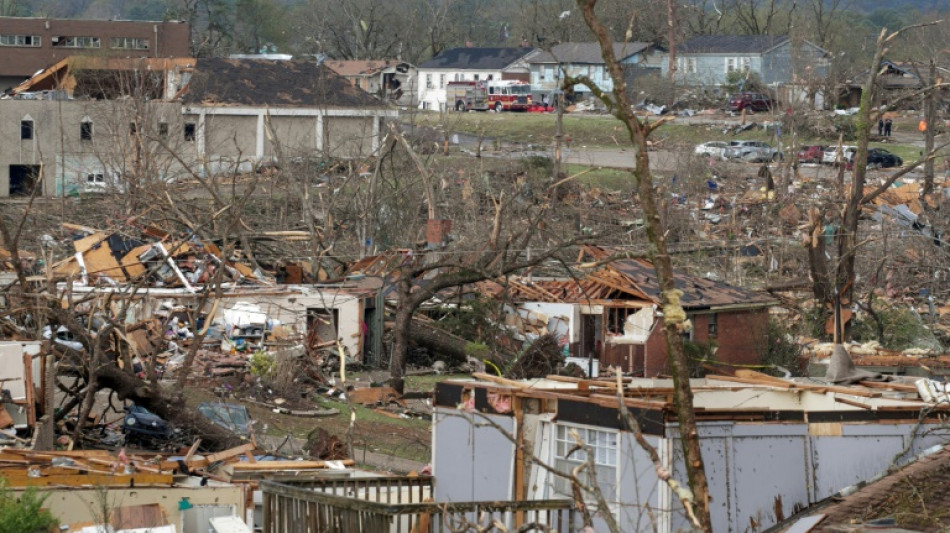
(85, 123)
(612, 316)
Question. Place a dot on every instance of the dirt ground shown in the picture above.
(406, 437)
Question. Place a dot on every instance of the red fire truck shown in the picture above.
(507, 95)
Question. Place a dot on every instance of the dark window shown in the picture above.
(26, 129)
(132, 128)
(190, 131)
(163, 130)
(713, 326)
(85, 131)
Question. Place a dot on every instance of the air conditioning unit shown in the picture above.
(54, 39)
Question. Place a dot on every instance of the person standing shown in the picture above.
(880, 127)
(887, 127)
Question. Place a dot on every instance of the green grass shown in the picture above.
(602, 178)
(427, 383)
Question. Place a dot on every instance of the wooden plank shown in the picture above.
(852, 402)
(748, 381)
(81, 480)
(902, 387)
(765, 378)
(804, 525)
(208, 459)
(269, 466)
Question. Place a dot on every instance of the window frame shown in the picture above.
(21, 41)
(606, 447)
(27, 129)
(78, 41)
(129, 43)
(85, 130)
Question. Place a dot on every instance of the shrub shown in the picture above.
(24, 514)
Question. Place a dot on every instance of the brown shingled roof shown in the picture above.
(261, 82)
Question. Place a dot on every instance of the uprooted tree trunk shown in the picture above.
(675, 322)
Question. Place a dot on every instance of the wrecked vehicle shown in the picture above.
(715, 149)
(230, 416)
(752, 152)
(141, 425)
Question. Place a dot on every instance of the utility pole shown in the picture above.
(930, 118)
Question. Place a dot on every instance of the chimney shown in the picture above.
(525, 43)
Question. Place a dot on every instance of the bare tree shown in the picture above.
(675, 322)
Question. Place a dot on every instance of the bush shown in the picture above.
(262, 364)
(781, 351)
(697, 354)
(24, 514)
(902, 329)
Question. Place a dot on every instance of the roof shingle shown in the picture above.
(477, 58)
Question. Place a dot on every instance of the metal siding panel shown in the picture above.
(493, 465)
(453, 456)
(769, 476)
(638, 484)
(846, 460)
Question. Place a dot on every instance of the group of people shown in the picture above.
(884, 127)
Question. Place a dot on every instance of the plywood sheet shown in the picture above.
(11, 370)
(101, 261)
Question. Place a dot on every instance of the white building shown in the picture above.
(469, 64)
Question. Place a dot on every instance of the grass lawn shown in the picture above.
(603, 178)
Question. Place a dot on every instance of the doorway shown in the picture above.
(23, 178)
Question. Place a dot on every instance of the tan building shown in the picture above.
(206, 116)
(28, 45)
(393, 81)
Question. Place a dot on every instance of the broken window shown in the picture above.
(713, 326)
(130, 43)
(190, 130)
(98, 179)
(163, 130)
(26, 130)
(85, 130)
(567, 456)
(20, 40)
(76, 42)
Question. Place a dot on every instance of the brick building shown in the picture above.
(613, 315)
(28, 45)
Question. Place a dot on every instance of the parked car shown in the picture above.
(881, 158)
(836, 156)
(811, 154)
(752, 152)
(751, 101)
(715, 149)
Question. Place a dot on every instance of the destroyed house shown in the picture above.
(612, 315)
(82, 124)
(165, 278)
(771, 446)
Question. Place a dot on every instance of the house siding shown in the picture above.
(781, 65)
(738, 339)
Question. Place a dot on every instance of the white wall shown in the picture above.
(434, 98)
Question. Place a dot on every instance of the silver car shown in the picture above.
(752, 152)
(715, 149)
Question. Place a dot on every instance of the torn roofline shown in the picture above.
(231, 290)
(716, 398)
(225, 109)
